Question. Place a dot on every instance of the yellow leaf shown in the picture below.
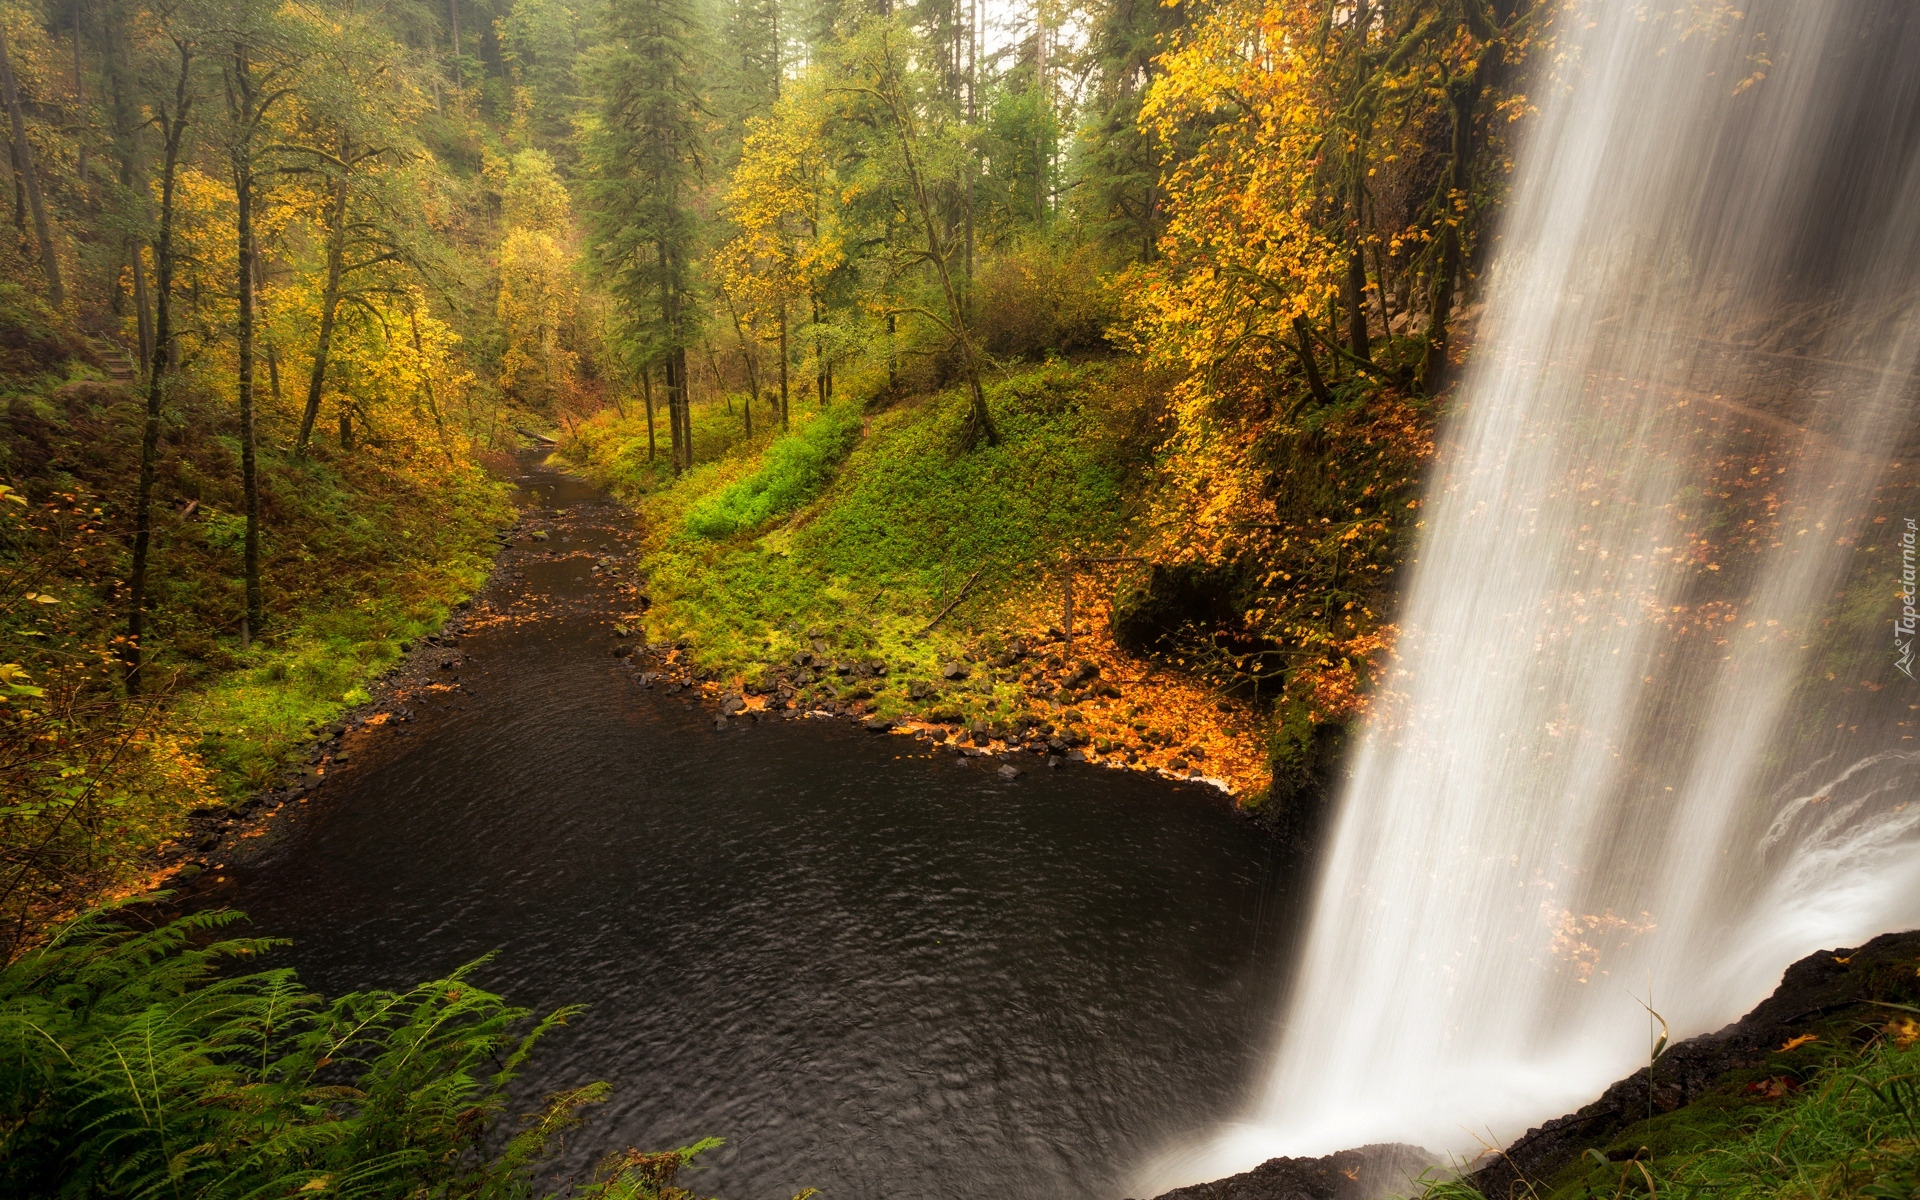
(1795, 1043)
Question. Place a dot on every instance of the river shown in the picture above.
(873, 968)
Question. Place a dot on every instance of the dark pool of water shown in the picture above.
(874, 969)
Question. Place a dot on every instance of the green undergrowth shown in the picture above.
(361, 551)
(363, 548)
(1829, 1119)
(163, 1062)
(912, 519)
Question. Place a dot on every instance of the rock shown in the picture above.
(842, 668)
(859, 670)
(1009, 772)
(622, 631)
(1053, 762)
(539, 535)
(876, 724)
(1076, 756)
(624, 650)
(1364, 1174)
(730, 705)
(1057, 745)
(189, 871)
(1178, 764)
(920, 689)
(802, 658)
(720, 723)
(342, 756)
(955, 670)
(802, 677)
(1832, 991)
(877, 667)
(1081, 675)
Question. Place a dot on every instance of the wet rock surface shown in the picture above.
(1367, 1173)
(1814, 993)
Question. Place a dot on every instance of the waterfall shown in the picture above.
(1649, 735)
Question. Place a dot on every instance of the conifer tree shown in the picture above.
(644, 160)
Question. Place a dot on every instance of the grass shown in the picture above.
(1820, 1120)
(755, 556)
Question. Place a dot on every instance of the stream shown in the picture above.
(872, 967)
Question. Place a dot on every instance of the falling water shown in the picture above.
(1648, 737)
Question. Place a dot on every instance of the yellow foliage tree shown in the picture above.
(538, 286)
(783, 205)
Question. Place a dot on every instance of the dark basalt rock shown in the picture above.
(1364, 1174)
(1813, 993)
(1832, 986)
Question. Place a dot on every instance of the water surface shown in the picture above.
(874, 969)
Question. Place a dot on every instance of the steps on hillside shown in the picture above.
(119, 364)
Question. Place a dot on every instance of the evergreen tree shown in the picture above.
(644, 161)
(1120, 159)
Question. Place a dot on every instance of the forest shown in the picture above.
(1163, 291)
(1059, 375)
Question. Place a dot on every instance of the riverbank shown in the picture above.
(1000, 596)
(366, 548)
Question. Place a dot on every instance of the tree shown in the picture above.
(345, 150)
(537, 289)
(910, 143)
(252, 91)
(172, 114)
(787, 237)
(643, 159)
(30, 179)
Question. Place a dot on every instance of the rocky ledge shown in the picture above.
(1821, 995)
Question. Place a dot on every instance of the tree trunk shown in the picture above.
(1463, 96)
(329, 309)
(1356, 298)
(783, 366)
(242, 155)
(174, 131)
(646, 389)
(1303, 332)
(79, 96)
(426, 384)
(453, 10)
(819, 358)
(23, 163)
(682, 396)
(142, 304)
(979, 420)
(673, 415)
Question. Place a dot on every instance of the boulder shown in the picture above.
(876, 724)
(1081, 675)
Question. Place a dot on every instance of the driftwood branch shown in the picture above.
(951, 604)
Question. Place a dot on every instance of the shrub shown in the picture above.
(1042, 299)
(797, 468)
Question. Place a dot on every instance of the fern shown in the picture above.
(139, 1064)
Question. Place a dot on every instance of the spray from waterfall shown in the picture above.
(1649, 726)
